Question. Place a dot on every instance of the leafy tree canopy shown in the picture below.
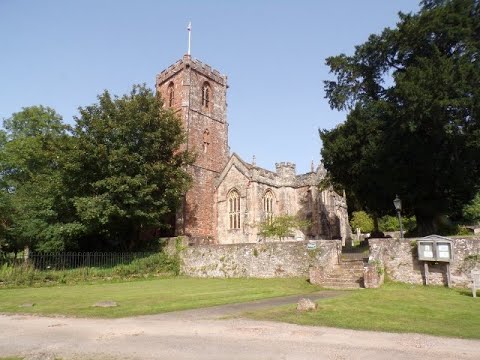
(361, 220)
(105, 184)
(413, 126)
(34, 121)
(126, 171)
(30, 178)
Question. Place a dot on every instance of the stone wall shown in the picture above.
(261, 260)
(400, 260)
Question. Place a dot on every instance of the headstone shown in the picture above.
(306, 305)
(475, 282)
(105, 304)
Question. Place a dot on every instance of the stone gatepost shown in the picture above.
(373, 275)
(317, 275)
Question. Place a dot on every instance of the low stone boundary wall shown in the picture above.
(261, 260)
(400, 259)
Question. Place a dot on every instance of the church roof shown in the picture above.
(259, 174)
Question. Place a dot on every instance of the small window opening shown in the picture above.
(171, 94)
(206, 94)
(206, 140)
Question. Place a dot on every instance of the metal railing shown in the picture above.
(74, 260)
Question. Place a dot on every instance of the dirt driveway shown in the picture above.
(205, 334)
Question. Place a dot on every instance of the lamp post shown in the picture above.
(398, 206)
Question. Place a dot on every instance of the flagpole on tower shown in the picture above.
(189, 28)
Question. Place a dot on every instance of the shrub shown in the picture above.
(360, 219)
(471, 211)
(390, 223)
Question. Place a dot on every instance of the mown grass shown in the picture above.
(146, 296)
(392, 308)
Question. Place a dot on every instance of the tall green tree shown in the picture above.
(413, 126)
(126, 172)
(30, 180)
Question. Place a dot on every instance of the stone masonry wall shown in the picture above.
(401, 263)
(261, 260)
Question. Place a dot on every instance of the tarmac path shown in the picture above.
(207, 334)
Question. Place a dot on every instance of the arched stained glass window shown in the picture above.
(268, 206)
(234, 209)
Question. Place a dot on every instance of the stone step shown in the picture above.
(343, 278)
(345, 274)
(342, 285)
(354, 256)
(344, 282)
(353, 261)
(346, 266)
(348, 269)
(356, 265)
(336, 274)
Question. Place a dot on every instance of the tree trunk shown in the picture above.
(426, 224)
(375, 223)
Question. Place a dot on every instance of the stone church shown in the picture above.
(230, 197)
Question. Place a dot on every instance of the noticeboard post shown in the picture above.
(438, 249)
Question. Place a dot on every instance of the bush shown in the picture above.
(360, 219)
(471, 212)
(390, 223)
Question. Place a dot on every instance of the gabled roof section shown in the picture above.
(241, 165)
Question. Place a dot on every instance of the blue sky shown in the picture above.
(64, 53)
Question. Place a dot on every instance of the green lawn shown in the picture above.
(393, 308)
(146, 296)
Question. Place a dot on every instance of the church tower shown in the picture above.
(197, 94)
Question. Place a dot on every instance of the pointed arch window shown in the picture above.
(171, 94)
(234, 209)
(206, 140)
(268, 206)
(206, 95)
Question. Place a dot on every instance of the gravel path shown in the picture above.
(206, 334)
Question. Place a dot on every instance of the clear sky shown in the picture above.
(64, 53)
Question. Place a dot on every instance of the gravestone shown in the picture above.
(475, 281)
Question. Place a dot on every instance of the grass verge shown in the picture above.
(392, 308)
(155, 265)
(146, 296)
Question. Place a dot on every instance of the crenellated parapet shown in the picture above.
(187, 62)
(286, 170)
